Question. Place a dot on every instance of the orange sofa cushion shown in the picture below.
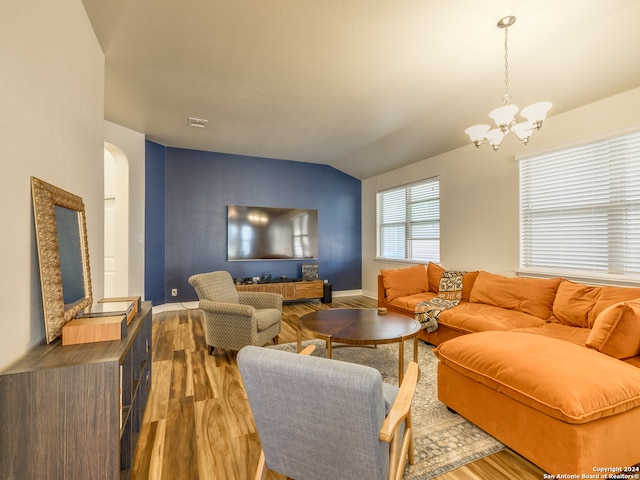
(528, 295)
(434, 272)
(567, 382)
(409, 302)
(579, 305)
(616, 331)
(477, 317)
(468, 282)
(575, 335)
(401, 282)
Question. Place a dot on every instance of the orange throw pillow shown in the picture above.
(616, 330)
(434, 272)
(467, 284)
(405, 281)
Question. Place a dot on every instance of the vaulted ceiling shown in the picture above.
(365, 86)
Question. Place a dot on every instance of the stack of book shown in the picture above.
(102, 321)
(109, 309)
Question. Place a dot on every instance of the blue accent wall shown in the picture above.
(200, 185)
(154, 224)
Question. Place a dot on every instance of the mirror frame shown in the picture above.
(45, 198)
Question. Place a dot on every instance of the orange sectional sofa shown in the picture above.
(549, 367)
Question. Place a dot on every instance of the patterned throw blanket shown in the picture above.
(449, 295)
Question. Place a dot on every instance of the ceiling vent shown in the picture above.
(198, 122)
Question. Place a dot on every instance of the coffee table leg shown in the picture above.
(400, 361)
(329, 354)
(299, 340)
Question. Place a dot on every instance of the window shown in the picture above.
(408, 222)
(580, 209)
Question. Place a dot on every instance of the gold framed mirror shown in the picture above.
(63, 255)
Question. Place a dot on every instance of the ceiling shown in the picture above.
(365, 86)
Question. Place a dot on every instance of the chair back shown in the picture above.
(215, 286)
(316, 418)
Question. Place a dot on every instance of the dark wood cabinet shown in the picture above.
(74, 412)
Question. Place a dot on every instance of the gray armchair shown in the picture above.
(235, 319)
(319, 418)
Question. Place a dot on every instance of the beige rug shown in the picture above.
(443, 440)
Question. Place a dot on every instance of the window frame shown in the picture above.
(410, 239)
(604, 200)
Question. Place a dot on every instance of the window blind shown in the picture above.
(408, 222)
(580, 209)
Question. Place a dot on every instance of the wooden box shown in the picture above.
(94, 329)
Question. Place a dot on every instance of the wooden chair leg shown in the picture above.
(210, 349)
(408, 426)
(261, 471)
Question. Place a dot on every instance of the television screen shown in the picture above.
(267, 233)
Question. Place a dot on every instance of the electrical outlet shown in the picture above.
(174, 292)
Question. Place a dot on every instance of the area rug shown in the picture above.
(443, 440)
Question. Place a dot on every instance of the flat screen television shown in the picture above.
(270, 233)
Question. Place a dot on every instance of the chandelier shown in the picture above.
(504, 116)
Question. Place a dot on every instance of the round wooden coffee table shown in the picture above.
(362, 327)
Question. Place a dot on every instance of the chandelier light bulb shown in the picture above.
(504, 116)
(477, 133)
(523, 131)
(536, 112)
(495, 138)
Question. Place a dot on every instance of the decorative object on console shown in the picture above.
(504, 116)
(109, 309)
(309, 271)
(137, 301)
(94, 329)
(63, 255)
(265, 277)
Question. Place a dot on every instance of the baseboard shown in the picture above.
(169, 307)
(347, 293)
(373, 295)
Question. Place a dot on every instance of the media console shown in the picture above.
(290, 290)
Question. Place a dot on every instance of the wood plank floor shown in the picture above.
(198, 425)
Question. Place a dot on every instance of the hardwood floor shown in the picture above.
(198, 424)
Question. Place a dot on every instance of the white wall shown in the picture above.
(51, 127)
(479, 191)
(132, 144)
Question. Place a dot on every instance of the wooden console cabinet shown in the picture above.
(74, 412)
(290, 291)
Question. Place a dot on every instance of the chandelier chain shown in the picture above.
(506, 99)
